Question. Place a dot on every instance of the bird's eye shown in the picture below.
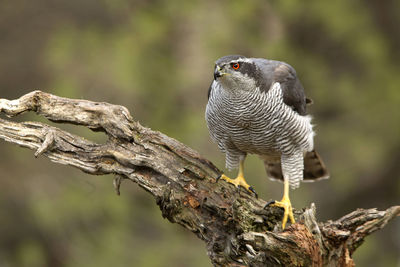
(235, 66)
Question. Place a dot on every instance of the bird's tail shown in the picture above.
(314, 167)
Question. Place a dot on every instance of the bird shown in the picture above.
(258, 106)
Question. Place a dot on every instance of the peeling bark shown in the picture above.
(234, 225)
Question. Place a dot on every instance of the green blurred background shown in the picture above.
(156, 58)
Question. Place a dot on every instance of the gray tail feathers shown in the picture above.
(314, 168)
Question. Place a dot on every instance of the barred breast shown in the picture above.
(259, 123)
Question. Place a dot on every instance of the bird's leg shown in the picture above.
(239, 180)
(285, 204)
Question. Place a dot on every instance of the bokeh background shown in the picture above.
(156, 58)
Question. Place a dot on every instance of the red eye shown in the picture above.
(235, 66)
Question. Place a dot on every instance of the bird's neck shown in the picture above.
(234, 90)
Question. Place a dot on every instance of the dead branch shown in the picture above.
(234, 225)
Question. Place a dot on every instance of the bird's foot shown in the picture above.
(238, 181)
(287, 206)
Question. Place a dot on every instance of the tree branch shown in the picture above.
(234, 225)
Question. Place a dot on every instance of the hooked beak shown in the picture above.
(217, 72)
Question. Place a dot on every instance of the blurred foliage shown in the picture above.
(156, 58)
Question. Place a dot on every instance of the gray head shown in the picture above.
(236, 72)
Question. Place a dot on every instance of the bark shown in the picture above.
(237, 229)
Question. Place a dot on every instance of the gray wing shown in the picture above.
(293, 92)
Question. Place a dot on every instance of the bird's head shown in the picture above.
(236, 72)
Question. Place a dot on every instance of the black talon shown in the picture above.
(269, 203)
(219, 177)
(254, 191)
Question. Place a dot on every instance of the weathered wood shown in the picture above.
(234, 225)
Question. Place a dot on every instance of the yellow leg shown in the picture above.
(285, 204)
(239, 180)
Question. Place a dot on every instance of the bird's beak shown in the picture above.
(217, 72)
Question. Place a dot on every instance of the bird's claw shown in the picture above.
(271, 202)
(238, 182)
(254, 191)
(287, 206)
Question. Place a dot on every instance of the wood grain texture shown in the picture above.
(234, 225)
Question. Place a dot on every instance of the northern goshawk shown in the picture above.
(258, 106)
